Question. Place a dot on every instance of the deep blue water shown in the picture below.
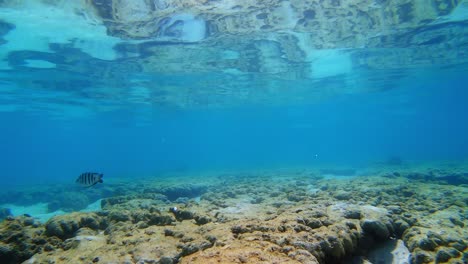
(418, 122)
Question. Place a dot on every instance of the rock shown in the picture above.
(407, 192)
(303, 256)
(421, 257)
(85, 231)
(400, 227)
(427, 244)
(442, 256)
(352, 214)
(93, 222)
(376, 229)
(166, 260)
(239, 229)
(119, 216)
(168, 232)
(453, 252)
(28, 221)
(160, 220)
(65, 226)
(188, 249)
(211, 239)
(18, 242)
(394, 209)
(202, 220)
(457, 221)
(459, 245)
(437, 238)
(336, 250)
(313, 223)
(62, 229)
(351, 225)
(257, 200)
(465, 257)
(183, 215)
(282, 228)
(7, 254)
(454, 178)
(342, 195)
(294, 197)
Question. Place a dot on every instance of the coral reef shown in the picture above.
(266, 217)
(66, 226)
(21, 238)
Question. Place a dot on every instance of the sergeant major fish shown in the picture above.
(89, 179)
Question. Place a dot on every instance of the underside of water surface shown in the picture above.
(233, 131)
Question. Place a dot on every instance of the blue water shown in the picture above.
(424, 121)
(84, 97)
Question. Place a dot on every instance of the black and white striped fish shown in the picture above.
(89, 179)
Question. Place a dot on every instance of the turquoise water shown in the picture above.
(78, 95)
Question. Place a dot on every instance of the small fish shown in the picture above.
(89, 179)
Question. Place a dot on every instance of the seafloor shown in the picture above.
(380, 215)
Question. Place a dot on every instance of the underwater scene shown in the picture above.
(222, 131)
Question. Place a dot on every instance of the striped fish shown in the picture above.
(89, 179)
